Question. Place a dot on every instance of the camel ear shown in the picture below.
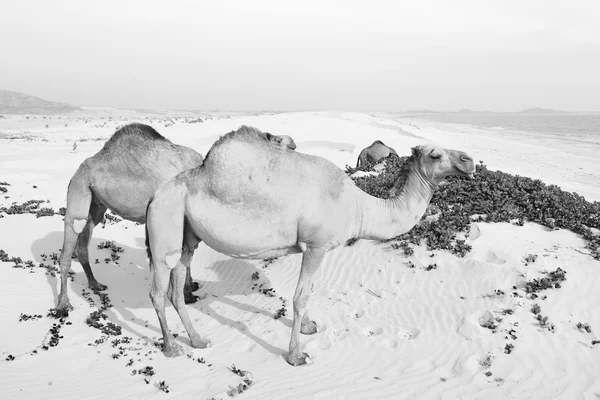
(416, 152)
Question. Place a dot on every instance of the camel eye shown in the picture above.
(435, 156)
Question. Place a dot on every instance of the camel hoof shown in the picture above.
(64, 305)
(190, 298)
(195, 286)
(309, 329)
(173, 350)
(302, 359)
(97, 286)
(201, 344)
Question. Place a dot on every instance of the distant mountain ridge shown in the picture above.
(535, 110)
(20, 103)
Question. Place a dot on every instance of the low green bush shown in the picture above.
(492, 196)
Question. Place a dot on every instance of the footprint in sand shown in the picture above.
(323, 344)
(368, 332)
(409, 333)
(469, 365)
(243, 347)
(390, 343)
(491, 257)
(484, 318)
(356, 314)
(472, 327)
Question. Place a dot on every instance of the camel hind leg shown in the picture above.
(175, 294)
(97, 211)
(79, 199)
(190, 244)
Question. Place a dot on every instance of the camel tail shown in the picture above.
(148, 250)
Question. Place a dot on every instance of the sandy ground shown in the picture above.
(388, 331)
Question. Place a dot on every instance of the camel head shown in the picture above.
(436, 163)
(284, 141)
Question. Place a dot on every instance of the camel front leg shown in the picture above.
(311, 260)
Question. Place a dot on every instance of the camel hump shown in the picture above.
(249, 134)
(134, 132)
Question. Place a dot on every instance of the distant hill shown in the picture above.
(424, 111)
(19, 103)
(537, 110)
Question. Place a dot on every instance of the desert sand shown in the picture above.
(387, 331)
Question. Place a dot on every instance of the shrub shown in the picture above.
(45, 212)
(580, 326)
(379, 185)
(496, 197)
(29, 207)
(551, 281)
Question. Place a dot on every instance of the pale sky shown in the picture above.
(370, 55)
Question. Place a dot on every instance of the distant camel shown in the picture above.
(282, 140)
(374, 153)
(123, 176)
(250, 199)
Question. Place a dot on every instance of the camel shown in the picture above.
(123, 176)
(250, 199)
(374, 153)
(283, 141)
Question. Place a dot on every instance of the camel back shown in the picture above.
(133, 133)
(244, 134)
(244, 163)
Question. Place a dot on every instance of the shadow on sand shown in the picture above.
(129, 285)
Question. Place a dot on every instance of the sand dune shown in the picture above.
(387, 331)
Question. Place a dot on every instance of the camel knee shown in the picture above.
(173, 258)
(79, 224)
(301, 301)
(156, 297)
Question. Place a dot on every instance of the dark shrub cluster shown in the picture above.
(551, 281)
(96, 317)
(110, 219)
(584, 327)
(29, 207)
(494, 196)
(29, 317)
(45, 212)
(114, 251)
(281, 312)
(379, 185)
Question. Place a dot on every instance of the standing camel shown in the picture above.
(123, 176)
(250, 199)
(374, 153)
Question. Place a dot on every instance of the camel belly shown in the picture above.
(263, 255)
(236, 233)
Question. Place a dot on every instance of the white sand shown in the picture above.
(388, 331)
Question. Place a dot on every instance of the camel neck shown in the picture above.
(387, 218)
